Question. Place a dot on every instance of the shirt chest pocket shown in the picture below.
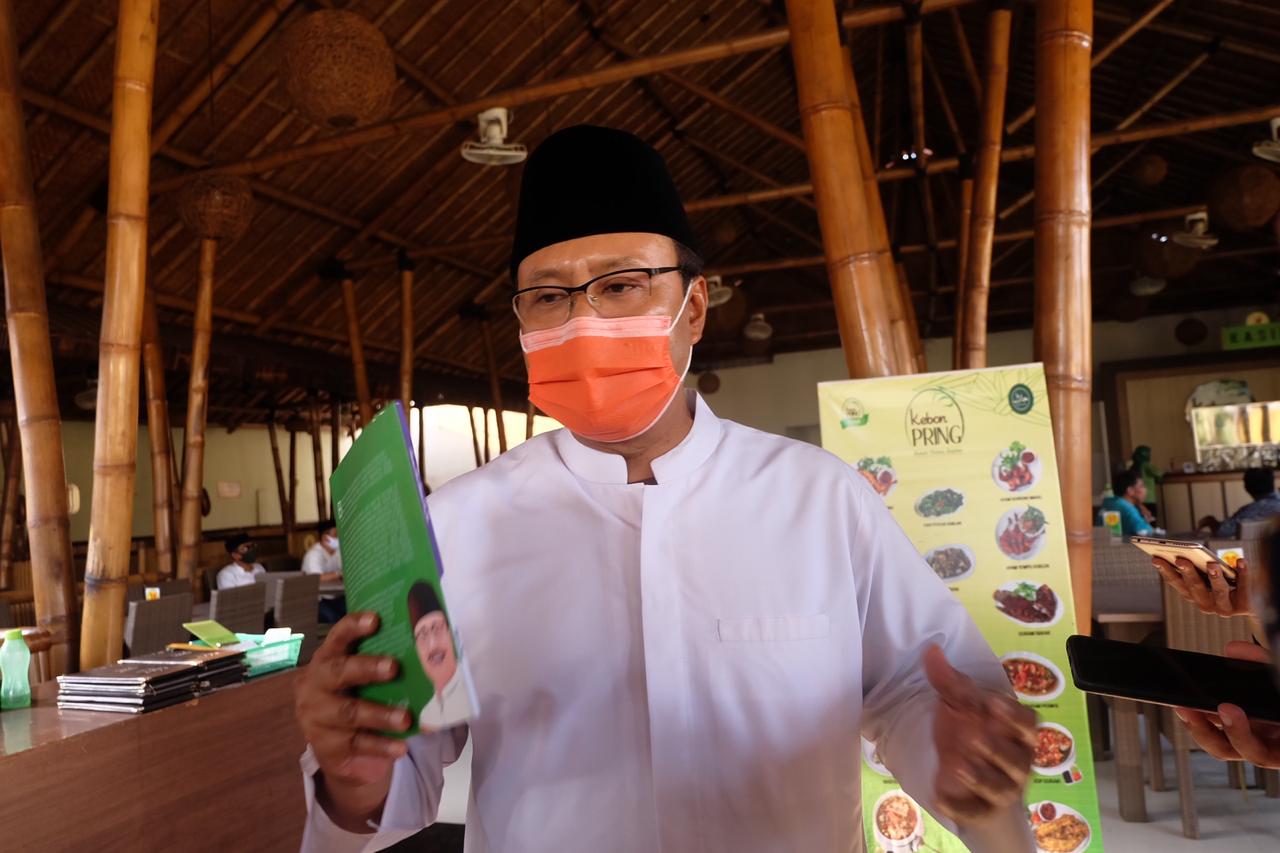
(773, 629)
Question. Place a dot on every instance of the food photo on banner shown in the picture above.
(965, 462)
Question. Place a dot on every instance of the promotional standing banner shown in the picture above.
(965, 461)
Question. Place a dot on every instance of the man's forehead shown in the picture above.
(599, 253)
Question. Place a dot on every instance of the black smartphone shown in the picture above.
(1172, 677)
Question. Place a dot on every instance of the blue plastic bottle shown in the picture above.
(15, 662)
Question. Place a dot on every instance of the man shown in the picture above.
(678, 627)
(324, 559)
(1140, 464)
(434, 642)
(1129, 493)
(243, 568)
(1260, 483)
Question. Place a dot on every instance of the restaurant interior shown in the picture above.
(234, 230)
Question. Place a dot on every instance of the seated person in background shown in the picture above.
(243, 568)
(1140, 464)
(324, 559)
(1130, 492)
(1260, 483)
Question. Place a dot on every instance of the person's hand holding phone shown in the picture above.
(343, 730)
(1210, 591)
(1230, 735)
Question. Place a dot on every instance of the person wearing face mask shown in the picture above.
(678, 627)
(325, 559)
(243, 568)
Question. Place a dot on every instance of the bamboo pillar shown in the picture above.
(488, 443)
(962, 257)
(293, 479)
(1063, 339)
(286, 516)
(982, 224)
(317, 457)
(336, 270)
(197, 410)
(918, 361)
(495, 388)
(861, 311)
(9, 503)
(528, 421)
(116, 427)
(335, 439)
(406, 329)
(475, 435)
(901, 332)
(158, 431)
(422, 448)
(38, 437)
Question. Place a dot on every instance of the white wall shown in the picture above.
(782, 398)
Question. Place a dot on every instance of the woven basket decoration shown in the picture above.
(337, 68)
(216, 207)
(1164, 258)
(1244, 198)
(1149, 170)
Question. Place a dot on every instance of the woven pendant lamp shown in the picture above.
(1245, 197)
(216, 207)
(337, 68)
(1158, 256)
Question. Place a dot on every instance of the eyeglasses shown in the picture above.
(621, 293)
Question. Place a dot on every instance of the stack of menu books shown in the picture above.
(148, 682)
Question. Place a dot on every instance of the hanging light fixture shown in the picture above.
(216, 207)
(338, 69)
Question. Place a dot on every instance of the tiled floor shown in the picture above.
(1230, 820)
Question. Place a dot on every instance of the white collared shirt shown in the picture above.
(684, 666)
(232, 575)
(318, 560)
(449, 705)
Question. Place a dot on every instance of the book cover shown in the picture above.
(391, 566)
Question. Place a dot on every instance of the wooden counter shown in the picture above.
(1187, 498)
(218, 773)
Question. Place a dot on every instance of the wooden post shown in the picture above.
(982, 225)
(495, 388)
(38, 436)
(158, 431)
(116, 428)
(406, 329)
(317, 456)
(901, 333)
(422, 447)
(197, 411)
(334, 270)
(475, 434)
(832, 151)
(9, 503)
(286, 515)
(909, 309)
(335, 439)
(293, 480)
(528, 421)
(962, 257)
(488, 443)
(1063, 339)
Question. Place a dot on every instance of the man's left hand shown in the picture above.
(1230, 735)
(985, 741)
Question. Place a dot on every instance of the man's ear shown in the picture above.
(697, 309)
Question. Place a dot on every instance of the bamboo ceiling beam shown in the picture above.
(914, 32)
(947, 112)
(608, 75)
(825, 114)
(116, 425)
(962, 255)
(982, 223)
(966, 55)
(39, 427)
(61, 14)
(1063, 301)
(336, 272)
(1228, 44)
(1128, 121)
(1138, 25)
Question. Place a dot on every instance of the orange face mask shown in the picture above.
(605, 379)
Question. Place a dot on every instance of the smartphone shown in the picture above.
(1172, 677)
(1197, 552)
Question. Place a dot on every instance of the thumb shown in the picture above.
(1241, 650)
(951, 684)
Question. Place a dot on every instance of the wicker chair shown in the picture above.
(1123, 578)
(238, 609)
(152, 625)
(297, 606)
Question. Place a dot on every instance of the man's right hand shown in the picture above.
(355, 761)
(1212, 594)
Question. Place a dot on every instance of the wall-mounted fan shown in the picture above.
(493, 148)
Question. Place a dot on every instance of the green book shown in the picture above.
(391, 566)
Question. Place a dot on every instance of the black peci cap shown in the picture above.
(586, 180)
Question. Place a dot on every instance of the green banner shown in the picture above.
(1251, 337)
(965, 461)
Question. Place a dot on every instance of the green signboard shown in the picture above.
(1251, 337)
